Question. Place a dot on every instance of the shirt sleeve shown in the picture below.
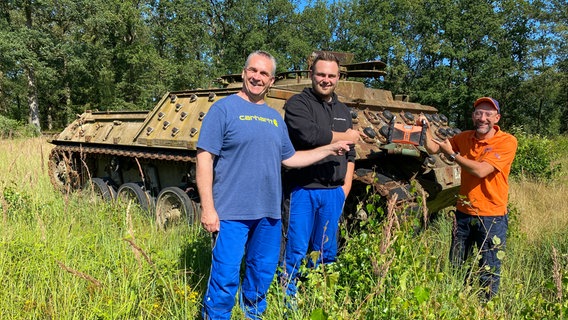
(287, 147)
(212, 130)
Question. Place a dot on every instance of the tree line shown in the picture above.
(61, 57)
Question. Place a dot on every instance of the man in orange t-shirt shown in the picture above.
(485, 156)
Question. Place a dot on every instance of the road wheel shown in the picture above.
(173, 205)
(63, 172)
(102, 188)
(135, 193)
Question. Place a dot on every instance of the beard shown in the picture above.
(482, 128)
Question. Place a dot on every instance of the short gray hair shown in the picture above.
(264, 54)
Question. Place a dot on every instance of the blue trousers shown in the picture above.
(478, 230)
(259, 242)
(313, 224)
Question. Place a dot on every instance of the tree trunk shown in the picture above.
(2, 98)
(49, 119)
(33, 103)
(67, 112)
(539, 115)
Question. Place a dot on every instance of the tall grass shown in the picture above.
(77, 257)
(542, 203)
(542, 207)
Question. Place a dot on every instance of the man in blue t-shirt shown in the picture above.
(241, 148)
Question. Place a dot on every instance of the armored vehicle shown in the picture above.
(149, 157)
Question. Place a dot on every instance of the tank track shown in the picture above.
(158, 155)
(66, 170)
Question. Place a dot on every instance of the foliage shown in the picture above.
(74, 256)
(10, 128)
(403, 275)
(77, 257)
(69, 56)
(537, 156)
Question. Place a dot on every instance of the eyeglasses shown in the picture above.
(479, 113)
(263, 74)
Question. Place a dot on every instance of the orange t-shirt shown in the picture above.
(485, 196)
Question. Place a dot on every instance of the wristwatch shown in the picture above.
(453, 156)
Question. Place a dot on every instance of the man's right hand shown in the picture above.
(354, 135)
(422, 121)
(210, 220)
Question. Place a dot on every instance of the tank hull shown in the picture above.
(149, 156)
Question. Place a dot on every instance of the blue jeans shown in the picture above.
(313, 225)
(257, 240)
(479, 230)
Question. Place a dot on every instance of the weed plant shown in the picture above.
(538, 157)
(10, 128)
(76, 257)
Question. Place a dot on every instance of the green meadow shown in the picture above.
(74, 256)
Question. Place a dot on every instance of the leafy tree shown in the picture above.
(61, 57)
(365, 28)
(240, 27)
(179, 32)
(21, 45)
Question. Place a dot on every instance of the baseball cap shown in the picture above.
(492, 101)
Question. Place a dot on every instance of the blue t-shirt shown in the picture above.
(250, 141)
